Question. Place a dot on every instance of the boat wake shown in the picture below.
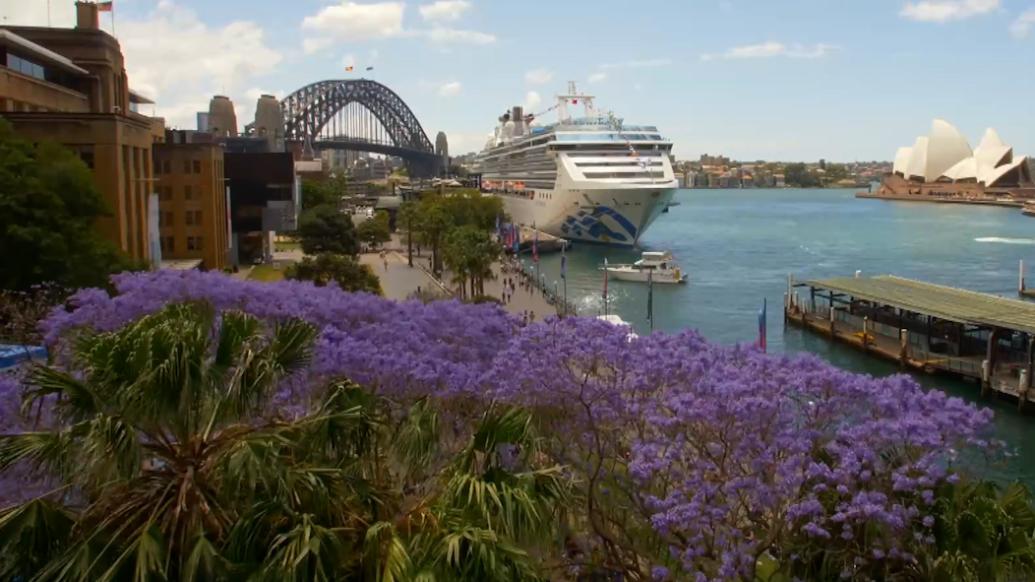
(1005, 241)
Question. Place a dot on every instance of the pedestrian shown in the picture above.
(384, 259)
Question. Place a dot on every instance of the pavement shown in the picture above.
(526, 298)
(398, 280)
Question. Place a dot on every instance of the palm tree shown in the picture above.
(982, 533)
(174, 466)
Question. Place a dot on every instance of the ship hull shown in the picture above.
(613, 216)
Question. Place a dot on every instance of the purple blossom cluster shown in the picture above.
(730, 451)
(406, 348)
(723, 453)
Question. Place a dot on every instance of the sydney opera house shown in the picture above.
(942, 164)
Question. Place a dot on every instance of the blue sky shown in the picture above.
(783, 80)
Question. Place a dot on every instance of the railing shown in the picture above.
(552, 298)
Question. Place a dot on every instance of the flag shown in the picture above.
(535, 244)
(564, 265)
(370, 68)
(104, 6)
(349, 68)
(761, 326)
(650, 295)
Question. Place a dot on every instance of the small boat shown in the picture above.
(658, 265)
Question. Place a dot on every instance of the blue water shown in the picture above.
(738, 247)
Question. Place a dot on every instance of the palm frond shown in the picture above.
(31, 534)
(308, 551)
(386, 554)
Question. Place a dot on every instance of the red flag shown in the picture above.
(104, 6)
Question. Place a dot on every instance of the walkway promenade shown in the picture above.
(399, 280)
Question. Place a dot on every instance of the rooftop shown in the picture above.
(12, 40)
(947, 303)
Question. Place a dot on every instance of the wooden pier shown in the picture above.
(933, 328)
(1022, 287)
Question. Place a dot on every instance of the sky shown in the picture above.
(843, 80)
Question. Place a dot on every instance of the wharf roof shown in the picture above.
(948, 303)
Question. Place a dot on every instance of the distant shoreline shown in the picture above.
(940, 199)
(779, 188)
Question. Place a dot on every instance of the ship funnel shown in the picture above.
(517, 114)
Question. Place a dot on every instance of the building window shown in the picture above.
(197, 218)
(193, 243)
(197, 166)
(167, 244)
(25, 67)
(186, 166)
(193, 218)
(188, 193)
(87, 156)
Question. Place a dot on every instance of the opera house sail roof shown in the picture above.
(945, 156)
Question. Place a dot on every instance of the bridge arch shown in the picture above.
(308, 110)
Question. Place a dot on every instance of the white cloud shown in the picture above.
(36, 14)
(180, 62)
(640, 64)
(538, 77)
(350, 21)
(946, 10)
(450, 89)
(452, 35)
(597, 77)
(444, 10)
(532, 101)
(768, 50)
(316, 44)
(1021, 27)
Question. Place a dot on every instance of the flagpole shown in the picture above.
(650, 298)
(564, 279)
(605, 286)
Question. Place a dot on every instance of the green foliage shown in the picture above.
(982, 533)
(49, 208)
(470, 252)
(323, 192)
(799, 176)
(325, 229)
(343, 270)
(374, 231)
(435, 215)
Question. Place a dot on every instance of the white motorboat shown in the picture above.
(658, 266)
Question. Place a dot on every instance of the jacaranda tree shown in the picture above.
(457, 444)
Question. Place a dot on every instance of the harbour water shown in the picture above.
(738, 246)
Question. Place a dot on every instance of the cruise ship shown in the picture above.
(583, 178)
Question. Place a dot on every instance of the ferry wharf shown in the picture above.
(979, 337)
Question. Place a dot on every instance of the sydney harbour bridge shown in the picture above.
(359, 115)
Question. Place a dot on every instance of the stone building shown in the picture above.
(69, 85)
(192, 220)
